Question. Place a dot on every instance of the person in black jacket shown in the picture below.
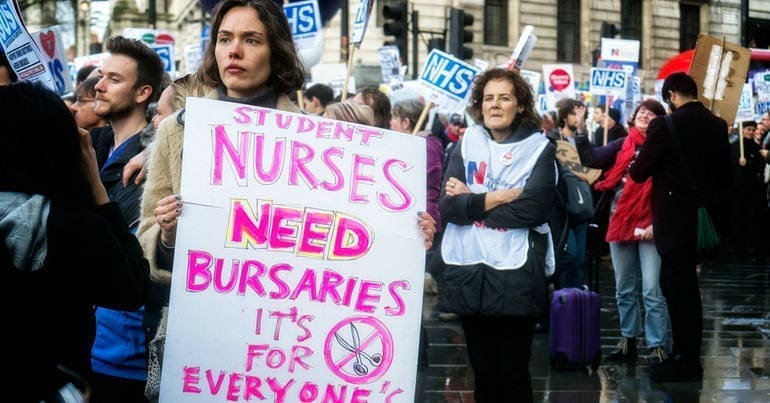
(495, 243)
(65, 246)
(702, 139)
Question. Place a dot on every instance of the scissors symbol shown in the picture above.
(358, 367)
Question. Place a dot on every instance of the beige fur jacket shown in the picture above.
(164, 178)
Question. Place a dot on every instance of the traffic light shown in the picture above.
(436, 43)
(459, 35)
(609, 30)
(396, 26)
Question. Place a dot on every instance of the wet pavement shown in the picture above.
(736, 353)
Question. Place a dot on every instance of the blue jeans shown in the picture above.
(630, 259)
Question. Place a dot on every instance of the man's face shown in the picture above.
(572, 119)
(83, 109)
(598, 116)
(748, 132)
(116, 92)
(766, 120)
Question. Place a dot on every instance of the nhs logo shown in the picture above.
(447, 75)
(304, 18)
(608, 82)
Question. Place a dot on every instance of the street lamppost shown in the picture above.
(85, 11)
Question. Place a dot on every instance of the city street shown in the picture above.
(736, 358)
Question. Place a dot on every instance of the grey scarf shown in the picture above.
(23, 220)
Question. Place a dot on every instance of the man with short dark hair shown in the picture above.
(130, 79)
(316, 98)
(703, 146)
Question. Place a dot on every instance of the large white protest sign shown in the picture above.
(49, 40)
(22, 52)
(298, 265)
(448, 79)
(608, 82)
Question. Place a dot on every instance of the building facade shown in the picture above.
(568, 31)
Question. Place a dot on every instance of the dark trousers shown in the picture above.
(500, 348)
(110, 389)
(679, 282)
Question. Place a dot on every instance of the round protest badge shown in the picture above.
(359, 349)
(506, 159)
(559, 79)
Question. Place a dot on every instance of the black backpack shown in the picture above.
(573, 204)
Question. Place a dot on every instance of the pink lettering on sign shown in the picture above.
(247, 155)
(253, 277)
(306, 232)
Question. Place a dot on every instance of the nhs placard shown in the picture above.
(305, 22)
(166, 53)
(448, 79)
(609, 82)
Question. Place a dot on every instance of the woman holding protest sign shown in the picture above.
(631, 238)
(251, 59)
(497, 244)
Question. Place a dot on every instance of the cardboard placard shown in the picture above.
(719, 69)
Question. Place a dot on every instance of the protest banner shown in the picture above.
(166, 53)
(719, 68)
(746, 105)
(150, 36)
(49, 40)
(559, 81)
(23, 54)
(390, 66)
(762, 87)
(448, 81)
(360, 22)
(298, 264)
(305, 23)
(523, 48)
(608, 82)
(533, 79)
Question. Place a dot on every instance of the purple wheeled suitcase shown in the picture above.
(574, 337)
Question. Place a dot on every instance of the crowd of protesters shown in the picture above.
(106, 202)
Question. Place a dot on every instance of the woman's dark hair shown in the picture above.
(380, 105)
(287, 73)
(521, 90)
(41, 153)
(651, 105)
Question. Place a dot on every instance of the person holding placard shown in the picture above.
(252, 60)
(497, 242)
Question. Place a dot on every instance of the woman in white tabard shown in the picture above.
(498, 191)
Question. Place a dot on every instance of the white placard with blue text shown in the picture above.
(609, 82)
(49, 40)
(449, 80)
(166, 53)
(745, 105)
(21, 51)
(361, 20)
(305, 23)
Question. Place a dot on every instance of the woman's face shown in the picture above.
(643, 118)
(242, 52)
(499, 106)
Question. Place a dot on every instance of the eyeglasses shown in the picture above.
(79, 101)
